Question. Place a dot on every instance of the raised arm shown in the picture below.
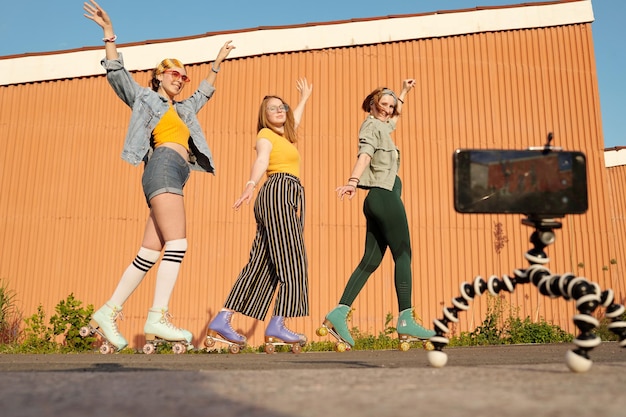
(407, 85)
(102, 19)
(305, 89)
(221, 56)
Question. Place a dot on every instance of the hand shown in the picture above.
(223, 53)
(246, 196)
(408, 84)
(305, 89)
(97, 14)
(348, 190)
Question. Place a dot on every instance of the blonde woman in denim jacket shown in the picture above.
(376, 170)
(166, 135)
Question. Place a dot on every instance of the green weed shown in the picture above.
(68, 320)
(603, 330)
(38, 337)
(502, 326)
(41, 337)
(10, 316)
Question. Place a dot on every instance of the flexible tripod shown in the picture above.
(587, 295)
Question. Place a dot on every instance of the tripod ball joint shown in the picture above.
(547, 237)
(537, 274)
(614, 311)
(540, 238)
(586, 298)
(586, 324)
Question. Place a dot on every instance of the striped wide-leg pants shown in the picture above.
(278, 256)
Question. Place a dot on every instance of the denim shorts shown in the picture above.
(166, 172)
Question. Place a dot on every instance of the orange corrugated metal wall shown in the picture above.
(72, 212)
(617, 203)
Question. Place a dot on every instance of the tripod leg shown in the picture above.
(588, 298)
(436, 357)
(614, 311)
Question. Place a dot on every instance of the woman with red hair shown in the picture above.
(376, 171)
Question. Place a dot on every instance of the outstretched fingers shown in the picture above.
(96, 13)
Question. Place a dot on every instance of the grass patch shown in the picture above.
(60, 334)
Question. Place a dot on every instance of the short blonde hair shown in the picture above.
(164, 65)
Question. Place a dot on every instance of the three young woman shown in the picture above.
(166, 135)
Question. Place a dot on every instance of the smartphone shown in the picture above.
(532, 182)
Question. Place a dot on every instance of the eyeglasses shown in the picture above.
(176, 75)
(276, 109)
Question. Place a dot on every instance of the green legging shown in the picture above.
(387, 226)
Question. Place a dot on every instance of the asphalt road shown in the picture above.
(522, 380)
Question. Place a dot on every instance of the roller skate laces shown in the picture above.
(221, 329)
(277, 334)
(104, 323)
(159, 326)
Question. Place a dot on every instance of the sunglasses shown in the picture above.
(176, 75)
(276, 109)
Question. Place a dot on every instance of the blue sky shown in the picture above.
(44, 25)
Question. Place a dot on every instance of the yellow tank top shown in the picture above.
(284, 156)
(171, 128)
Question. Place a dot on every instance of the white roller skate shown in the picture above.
(103, 323)
(159, 329)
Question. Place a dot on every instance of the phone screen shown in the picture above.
(531, 182)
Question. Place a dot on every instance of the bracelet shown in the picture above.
(400, 100)
(354, 179)
(215, 70)
(251, 182)
(111, 39)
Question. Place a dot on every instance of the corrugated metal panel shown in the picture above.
(617, 231)
(72, 212)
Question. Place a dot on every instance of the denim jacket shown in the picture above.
(375, 140)
(147, 109)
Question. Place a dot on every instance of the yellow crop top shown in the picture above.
(284, 156)
(171, 128)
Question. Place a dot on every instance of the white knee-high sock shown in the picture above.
(134, 274)
(168, 272)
